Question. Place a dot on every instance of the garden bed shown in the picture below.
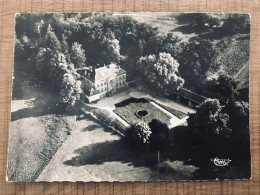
(127, 110)
(175, 112)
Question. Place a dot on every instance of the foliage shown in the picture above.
(205, 21)
(171, 44)
(51, 40)
(236, 23)
(224, 85)
(77, 56)
(139, 135)
(70, 91)
(160, 71)
(38, 27)
(160, 135)
(239, 118)
(209, 121)
(196, 59)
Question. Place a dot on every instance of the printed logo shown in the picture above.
(221, 162)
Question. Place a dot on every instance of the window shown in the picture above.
(105, 83)
(101, 90)
(97, 85)
(105, 89)
(111, 81)
(101, 84)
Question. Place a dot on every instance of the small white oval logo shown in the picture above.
(221, 162)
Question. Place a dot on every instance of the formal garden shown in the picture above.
(135, 110)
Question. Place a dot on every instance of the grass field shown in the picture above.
(36, 131)
(128, 111)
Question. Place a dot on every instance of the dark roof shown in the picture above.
(212, 95)
(190, 95)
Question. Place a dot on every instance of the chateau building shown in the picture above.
(97, 82)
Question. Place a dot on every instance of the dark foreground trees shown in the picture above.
(139, 135)
(160, 137)
(210, 121)
(222, 132)
(153, 136)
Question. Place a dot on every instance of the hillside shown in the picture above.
(234, 55)
(243, 76)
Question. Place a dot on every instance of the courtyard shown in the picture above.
(135, 110)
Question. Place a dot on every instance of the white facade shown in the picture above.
(107, 79)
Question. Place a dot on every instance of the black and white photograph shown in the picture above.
(138, 96)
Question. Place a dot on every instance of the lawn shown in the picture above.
(175, 112)
(36, 130)
(127, 110)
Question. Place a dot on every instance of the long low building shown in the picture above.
(186, 96)
(98, 82)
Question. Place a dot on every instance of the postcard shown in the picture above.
(130, 97)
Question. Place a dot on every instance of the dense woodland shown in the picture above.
(53, 46)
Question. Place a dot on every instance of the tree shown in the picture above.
(160, 71)
(238, 112)
(205, 21)
(139, 135)
(171, 44)
(160, 135)
(78, 57)
(225, 85)
(209, 128)
(196, 59)
(52, 41)
(65, 48)
(236, 23)
(70, 91)
(38, 27)
(209, 121)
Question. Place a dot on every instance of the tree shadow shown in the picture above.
(214, 34)
(38, 107)
(187, 29)
(41, 106)
(186, 18)
(111, 151)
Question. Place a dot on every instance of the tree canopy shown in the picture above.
(139, 135)
(160, 135)
(209, 121)
(160, 71)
